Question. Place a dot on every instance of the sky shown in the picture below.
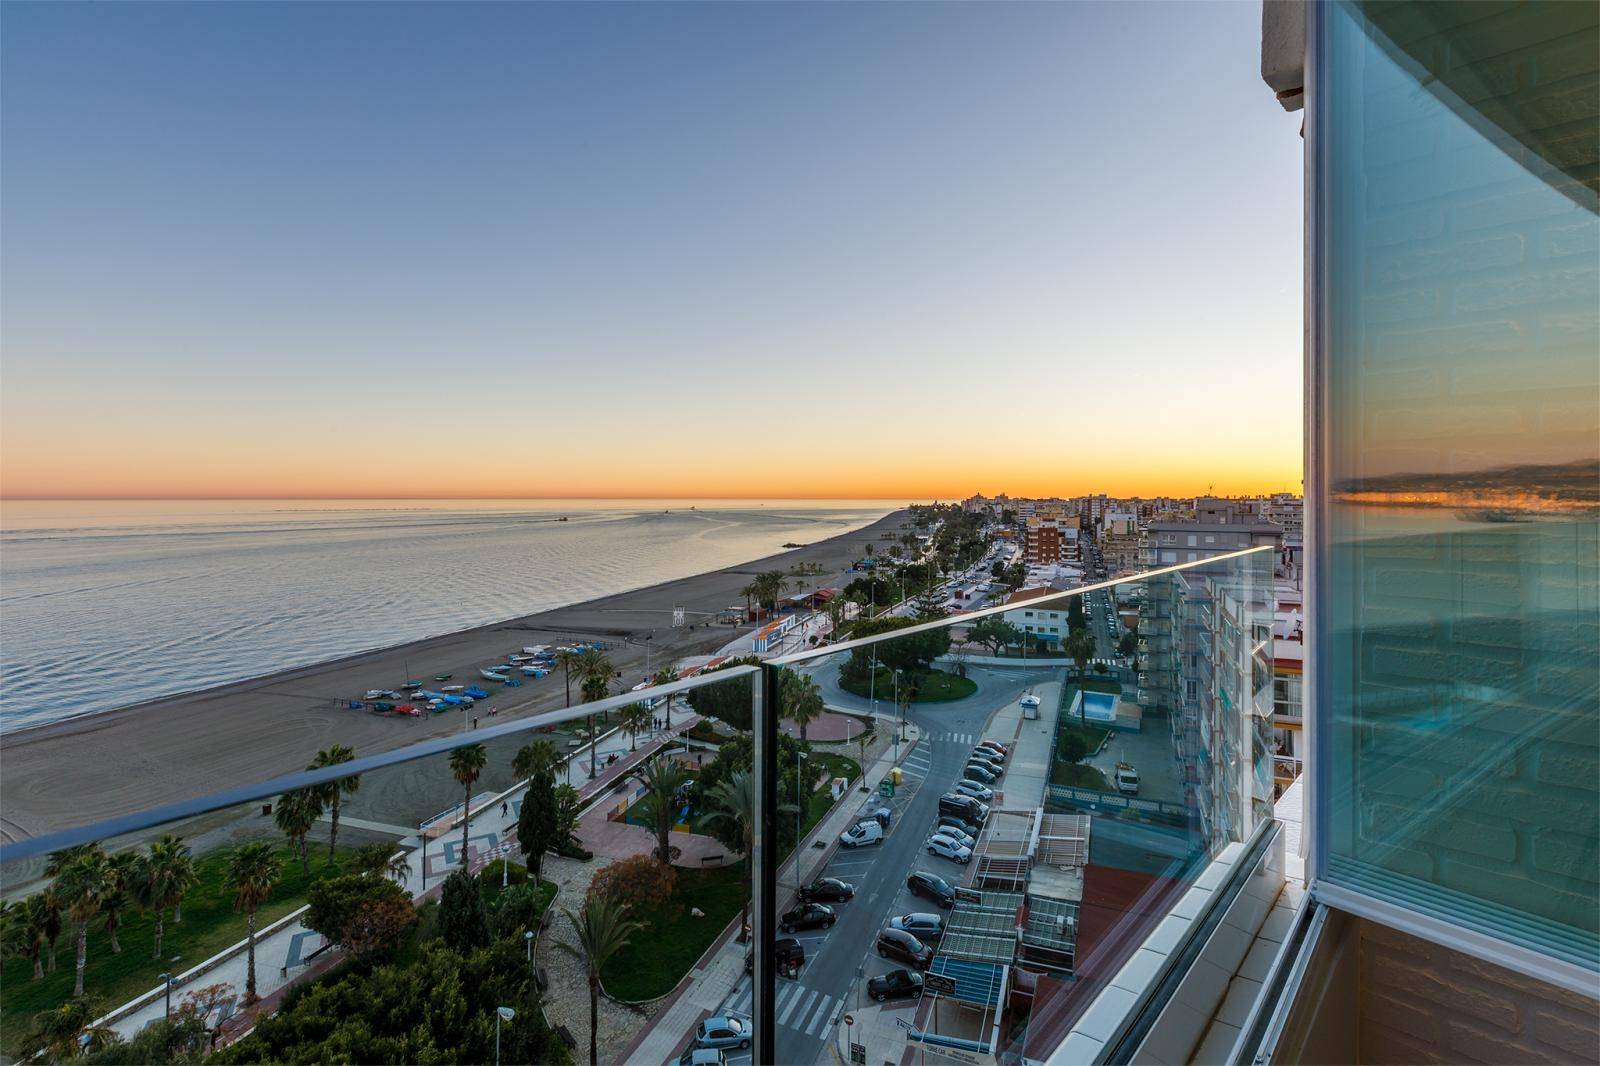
(877, 251)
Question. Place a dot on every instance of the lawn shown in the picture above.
(658, 956)
(822, 800)
(933, 686)
(1079, 775)
(1093, 735)
(209, 925)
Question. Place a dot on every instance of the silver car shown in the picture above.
(723, 1031)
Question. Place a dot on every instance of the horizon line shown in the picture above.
(34, 498)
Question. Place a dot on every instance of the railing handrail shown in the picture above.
(152, 817)
(967, 617)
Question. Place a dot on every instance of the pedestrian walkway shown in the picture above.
(725, 970)
(954, 738)
(802, 1009)
(287, 951)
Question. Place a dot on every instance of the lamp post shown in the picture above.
(501, 1014)
(898, 705)
(166, 981)
(799, 812)
(527, 938)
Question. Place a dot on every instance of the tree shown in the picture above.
(124, 870)
(463, 925)
(51, 916)
(1081, 647)
(567, 658)
(65, 1032)
(749, 592)
(732, 804)
(1128, 643)
(380, 859)
(1072, 747)
(202, 1003)
(637, 881)
(22, 931)
(866, 737)
(535, 757)
(769, 586)
(1076, 619)
(595, 687)
(636, 718)
(727, 701)
(568, 806)
(603, 929)
(466, 766)
(738, 755)
(666, 676)
(538, 829)
(296, 814)
(801, 699)
(83, 880)
(335, 790)
(253, 872)
(167, 876)
(663, 780)
(994, 633)
(362, 915)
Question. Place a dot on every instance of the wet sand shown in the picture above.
(84, 770)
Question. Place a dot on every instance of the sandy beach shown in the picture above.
(95, 767)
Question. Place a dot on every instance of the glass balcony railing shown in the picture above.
(942, 812)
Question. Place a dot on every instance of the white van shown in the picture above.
(861, 834)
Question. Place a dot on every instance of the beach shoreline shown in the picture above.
(91, 767)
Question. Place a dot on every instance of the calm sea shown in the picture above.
(106, 603)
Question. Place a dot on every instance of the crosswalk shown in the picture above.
(954, 738)
(805, 1010)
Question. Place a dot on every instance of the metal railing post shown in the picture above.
(764, 872)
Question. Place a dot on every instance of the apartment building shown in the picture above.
(1042, 624)
(1121, 541)
(1042, 540)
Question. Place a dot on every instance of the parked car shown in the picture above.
(949, 848)
(790, 952)
(980, 772)
(827, 890)
(861, 834)
(899, 944)
(990, 756)
(896, 984)
(963, 838)
(807, 916)
(931, 886)
(950, 821)
(723, 1030)
(703, 1056)
(963, 806)
(996, 747)
(919, 923)
(976, 789)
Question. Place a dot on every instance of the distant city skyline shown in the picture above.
(610, 251)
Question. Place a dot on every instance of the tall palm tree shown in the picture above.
(595, 687)
(22, 932)
(83, 880)
(535, 757)
(568, 658)
(296, 814)
(335, 790)
(662, 778)
(467, 764)
(636, 718)
(65, 1032)
(179, 862)
(51, 910)
(734, 801)
(603, 929)
(167, 873)
(253, 872)
(802, 700)
(749, 593)
(594, 663)
(666, 676)
(125, 870)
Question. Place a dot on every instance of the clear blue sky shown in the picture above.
(245, 244)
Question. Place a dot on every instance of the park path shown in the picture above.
(287, 952)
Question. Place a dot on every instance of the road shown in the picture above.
(840, 960)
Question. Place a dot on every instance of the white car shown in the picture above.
(975, 790)
(964, 839)
(945, 846)
(862, 834)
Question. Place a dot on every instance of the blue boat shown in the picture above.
(477, 693)
(534, 671)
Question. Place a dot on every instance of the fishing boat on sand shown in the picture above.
(492, 675)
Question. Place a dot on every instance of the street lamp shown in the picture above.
(166, 980)
(501, 1014)
(527, 938)
(799, 809)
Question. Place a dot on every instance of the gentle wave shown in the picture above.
(128, 603)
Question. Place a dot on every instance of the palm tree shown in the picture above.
(83, 880)
(802, 700)
(1081, 646)
(253, 872)
(749, 593)
(734, 801)
(22, 931)
(296, 813)
(67, 1031)
(568, 658)
(467, 765)
(335, 790)
(535, 757)
(666, 676)
(636, 718)
(167, 873)
(595, 687)
(662, 779)
(594, 663)
(51, 910)
(603, 929)
(126, 870)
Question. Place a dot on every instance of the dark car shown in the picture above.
(963, 807)
(808, 916)
(790, 952)
(896, 984)
(827, 890)
(977, 771)
(950, 821)
(899, 944)
(931, 886)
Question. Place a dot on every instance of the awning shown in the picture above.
(981, 984)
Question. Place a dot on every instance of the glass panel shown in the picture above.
(1457, 630)
(444, 914)
(1048, 798)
